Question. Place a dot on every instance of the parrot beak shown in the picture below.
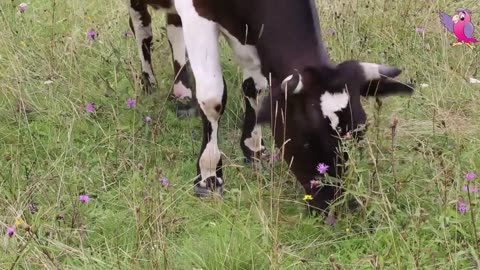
(455, 19)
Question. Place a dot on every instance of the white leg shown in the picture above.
(254, 82)
(201, 40)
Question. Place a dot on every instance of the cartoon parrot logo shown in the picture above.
(460, 26)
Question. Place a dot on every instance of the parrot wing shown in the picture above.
(446, 21)
(468, 30)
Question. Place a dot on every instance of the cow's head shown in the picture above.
(322, 106)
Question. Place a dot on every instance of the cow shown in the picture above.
(289, 81)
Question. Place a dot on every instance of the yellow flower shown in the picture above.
(23, 43)
(307, 197)
(18, 222)
(347, 230)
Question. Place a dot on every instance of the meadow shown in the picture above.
(140, 213)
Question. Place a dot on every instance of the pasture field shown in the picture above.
(408, 179)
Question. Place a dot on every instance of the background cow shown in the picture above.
(312, 103)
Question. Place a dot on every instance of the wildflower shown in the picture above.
(474, 190)
(322, 168)
(10, 231)
(470, 176)
(313, 184)
(92, 34)
(465, 188)
(84, 198)
(18, 223)
(148, 119)
(23, 43)
(164, 182)
(140, 166)
(473, 81)
(347, 230)
(331, 31)
(274, 157)
(60, 216)
(307, 197)
(331, 220)
(420, 30)
(90, 107)
(32, 207)
(131, 103)
(22, 7)
(462, 207)
(48, 82)
(128, 33)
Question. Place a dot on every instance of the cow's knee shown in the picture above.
(140, 22)
(182, 83)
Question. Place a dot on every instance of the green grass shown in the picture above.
(52, 150)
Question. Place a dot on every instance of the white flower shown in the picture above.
(473, 80)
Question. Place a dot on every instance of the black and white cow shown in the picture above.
(312, 102)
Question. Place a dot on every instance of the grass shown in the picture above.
(408, 179)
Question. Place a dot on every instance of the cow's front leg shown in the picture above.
(140, 23)
(251, 142)
(201, 40)
(182, 85)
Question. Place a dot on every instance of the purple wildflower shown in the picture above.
(131, 103)
(420, 30)
(322, 168)
(465, 188)
(274, 157)
(474, 190)
(331, 31)
(60, 216)
(22, 7)
(92, 34)
(313, 184)
(90, 107)
(462, 207)
(128, 33)
(84, 198)
(331, 220)
(10, 231)
(470, 176)
(148, 119)
(164, 182)
(32, 207)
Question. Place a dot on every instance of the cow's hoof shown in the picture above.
(258, 163)
(212, 186)
(147, 86)
(186, 109)
(254, 164)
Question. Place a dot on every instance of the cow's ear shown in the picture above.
(380, 81)
(293, 84)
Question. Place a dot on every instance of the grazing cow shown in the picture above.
(312, 102)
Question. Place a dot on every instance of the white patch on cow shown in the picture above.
(331, 103)
(175, 36)
(247, 58)
(211, 155)
(254, 143)
(181, 91)
(201, 42)
(371, 71)
(142, 32)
